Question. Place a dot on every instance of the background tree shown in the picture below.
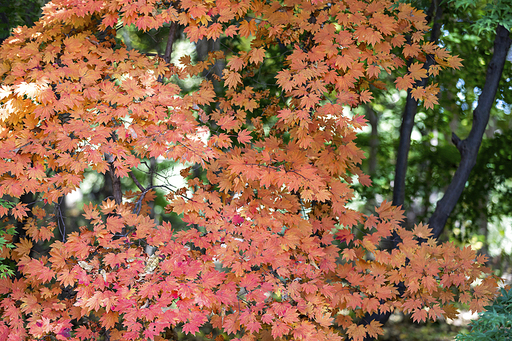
(433, 172)
(433, 156)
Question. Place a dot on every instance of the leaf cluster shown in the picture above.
(271, 251)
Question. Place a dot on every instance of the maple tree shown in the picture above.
(271, 250)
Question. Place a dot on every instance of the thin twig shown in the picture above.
(137, 183)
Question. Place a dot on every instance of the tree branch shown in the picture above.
(137, 183)
(469, 147)
(116, 181)
(410, 110)
(170, 42)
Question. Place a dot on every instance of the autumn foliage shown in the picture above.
(273, 251)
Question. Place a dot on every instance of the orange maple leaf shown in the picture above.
(417, 71)
(422, 231)
(256, 56)
(420, 315)
(23, 247)
(244, 136)
(66, 277)
(19, 211)
(247, 28)
(109, 319)
(356, 332)
(237, 63)
(404, 83)
(374, 329)
(411, 50)
(232, 78)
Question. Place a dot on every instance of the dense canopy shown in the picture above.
(272, 248)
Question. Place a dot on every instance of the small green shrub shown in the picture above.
(5, 268)
(493, 324)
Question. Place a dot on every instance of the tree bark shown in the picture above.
(170, 42)
(116, 183)
(203, 47)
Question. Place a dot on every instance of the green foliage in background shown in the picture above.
(497, 12)
(495, 324)
(15, 13)
(5, 269)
